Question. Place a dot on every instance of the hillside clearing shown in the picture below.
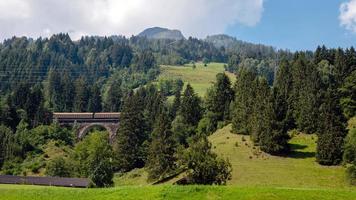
(201, 78)
(251, 167)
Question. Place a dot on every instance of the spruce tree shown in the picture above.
(260, 115)
(274, 138)
(219, 99)
(161, 158)
(176, 105)
(112, 102)
(190, 109)
(131, 134)
(244, 100)
(348, 95)
(95, 99)
(306, 94)
(331, 137)
(81, 95)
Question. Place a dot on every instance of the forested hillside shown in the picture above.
(275, 94)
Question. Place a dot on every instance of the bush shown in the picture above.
(350, 147)
(58, 167)
(203, 165)
(94, 157)
(351, 174)
(12, 167)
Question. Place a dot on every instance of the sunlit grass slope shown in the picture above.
(201, 78)
(251, 167)
(15, 192)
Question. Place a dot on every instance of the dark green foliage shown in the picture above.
(274, 137)
(348, 95)
(170, 86)
(331, 137)
(59, 167)
(190, 108)
(95, 99)
(112, 102)
(306, 94)
(203, 165)
(244, 101)
(6, 136)
(94, 158)
(44, 133)
(176, 105)
(262, 114)
(81, 95)
(131, 134)
(161, 158)
(350, 147)
(233, 63)
(219, 97)
(351, 174)
(182, 131)
(208, 124)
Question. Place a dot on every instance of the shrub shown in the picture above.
(203, 165)
(58, 167)
(351, 174)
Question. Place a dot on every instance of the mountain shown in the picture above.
(221, 40)
(242, 48)
(161, 33)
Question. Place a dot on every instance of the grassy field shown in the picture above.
(15, 192)
(251, 167)
(256, 175)
(201, 78)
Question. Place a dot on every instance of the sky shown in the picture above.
(286, 24)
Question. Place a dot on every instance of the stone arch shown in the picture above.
(84, 128)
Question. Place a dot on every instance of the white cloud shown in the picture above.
(348, 15)
(197, 18)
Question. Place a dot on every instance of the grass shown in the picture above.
(256, 176)
(137, 177)
(201, 78)
(18, 192)
(251, 167)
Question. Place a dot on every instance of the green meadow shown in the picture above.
(200, 78)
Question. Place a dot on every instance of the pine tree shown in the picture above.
(113, 98)
(244, 100)
(94, 104)
(131, 134)
(306, 94)
(190, 109)
(81, 95)
(176, 105)
(68, 92)
(282, 88)
(331, 138)
(274, 138)
(219, 99)
(161, 158)
(348, 95)
(260, 115)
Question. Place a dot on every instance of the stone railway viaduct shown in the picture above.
(86, 121)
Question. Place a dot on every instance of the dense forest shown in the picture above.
(275, 93)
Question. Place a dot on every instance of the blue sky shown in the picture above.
(286, 24)
(297, 25)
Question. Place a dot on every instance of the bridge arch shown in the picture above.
(84, 128)
(84, 122)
